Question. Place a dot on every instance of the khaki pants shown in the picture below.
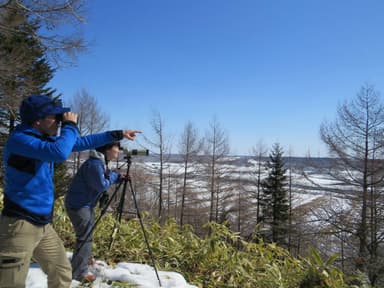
(19, 242)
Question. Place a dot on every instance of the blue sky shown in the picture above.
(268, 70)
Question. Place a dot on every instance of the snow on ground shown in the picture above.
(142, 275)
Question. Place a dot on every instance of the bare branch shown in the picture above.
(62, 48)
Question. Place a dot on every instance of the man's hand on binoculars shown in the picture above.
(70, 116)
(130, 134)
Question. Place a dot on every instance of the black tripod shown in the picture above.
(127, 179)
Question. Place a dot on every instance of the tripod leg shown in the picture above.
(143, 229)
(118, 217)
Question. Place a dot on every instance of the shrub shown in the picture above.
(221, 259)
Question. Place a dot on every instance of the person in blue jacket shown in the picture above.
(89, 184)
(29, 156)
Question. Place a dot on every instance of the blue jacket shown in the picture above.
(90, 182)
(29, 160)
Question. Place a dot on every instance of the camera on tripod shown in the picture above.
(135, 152)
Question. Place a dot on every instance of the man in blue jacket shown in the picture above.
(88, 185)
(29, 157)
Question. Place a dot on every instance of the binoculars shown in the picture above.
(59, 117)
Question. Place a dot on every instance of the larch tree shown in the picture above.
(290, 201)
(259, 153)
(91, 117)
(216, 148)
(355, 142)
(189, 147)
(161, 144)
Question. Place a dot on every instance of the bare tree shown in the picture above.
(355, 141)
(161, 143)
(216, 148)
(259, 152)
(91, 118)
(250, 191)
(190, 145)
(290, 198)
(240, 200)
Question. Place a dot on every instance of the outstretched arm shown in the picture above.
(96, 140)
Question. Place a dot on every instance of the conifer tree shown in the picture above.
(355, 144)
(275, 200)
(30, 70)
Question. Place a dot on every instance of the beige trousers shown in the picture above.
(19, 242)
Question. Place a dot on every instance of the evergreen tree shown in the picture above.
(28, 71)
(275, 200)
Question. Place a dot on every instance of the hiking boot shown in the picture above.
(91, 261)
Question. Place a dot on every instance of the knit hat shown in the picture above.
(37, 107)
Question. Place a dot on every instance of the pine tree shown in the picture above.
(24, 68)
(275, 199)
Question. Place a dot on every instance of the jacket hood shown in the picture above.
(95, 154)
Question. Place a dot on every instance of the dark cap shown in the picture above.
(108, 146)
(37, 107)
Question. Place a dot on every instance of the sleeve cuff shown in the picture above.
(70, 123)
(117, 134)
